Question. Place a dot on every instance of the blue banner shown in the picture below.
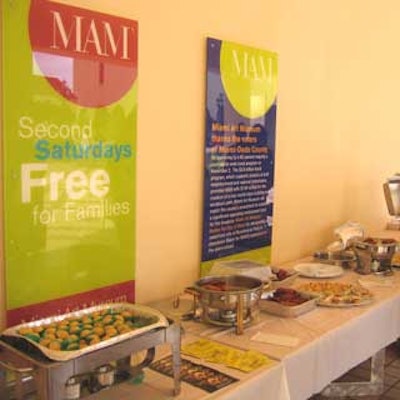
(239, 152)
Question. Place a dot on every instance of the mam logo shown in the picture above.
(249, 78)
(251, 66)
(89, 58)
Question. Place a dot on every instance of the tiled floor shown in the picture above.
(129, 390)
(362, 373)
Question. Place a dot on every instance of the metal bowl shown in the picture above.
(225, 291)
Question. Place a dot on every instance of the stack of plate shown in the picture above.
(317, 270)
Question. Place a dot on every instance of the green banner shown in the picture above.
(69, 127)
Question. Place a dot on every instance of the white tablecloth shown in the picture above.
(331, 341)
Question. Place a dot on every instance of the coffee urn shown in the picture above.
(391, 189)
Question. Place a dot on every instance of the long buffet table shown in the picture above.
(331, 342)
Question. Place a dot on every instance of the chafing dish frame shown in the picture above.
(50, 376)
(242, 301)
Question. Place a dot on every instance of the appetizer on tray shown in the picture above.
(70, 335)
(338, 294)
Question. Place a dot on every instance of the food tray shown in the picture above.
(275, 308)
(147, 317)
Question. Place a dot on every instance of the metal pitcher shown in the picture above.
(391, 188)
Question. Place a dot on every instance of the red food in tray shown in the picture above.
(288, 297)
(287, 302)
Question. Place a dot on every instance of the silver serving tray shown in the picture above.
(65, 355)
(276, 308)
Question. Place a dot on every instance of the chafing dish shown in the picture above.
(61, 374)
(153, 319)
(228, 300)
(374, 255)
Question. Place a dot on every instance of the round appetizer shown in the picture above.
(76, 333)
(338, 293)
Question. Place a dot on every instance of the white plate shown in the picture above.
(362, 302)
(315, 270)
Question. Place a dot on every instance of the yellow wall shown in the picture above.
(337, 121)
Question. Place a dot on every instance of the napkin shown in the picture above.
(348, 232)
(278, 340)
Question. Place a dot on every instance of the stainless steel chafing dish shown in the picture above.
(60, 373)
(374, 255)
(152, 319)
(228, 300)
